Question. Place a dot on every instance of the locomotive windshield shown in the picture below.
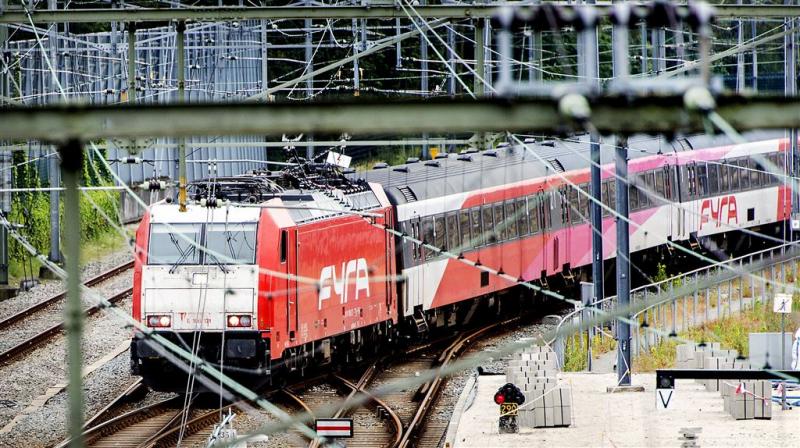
(235, 241)
(227, 243)
(169, 245)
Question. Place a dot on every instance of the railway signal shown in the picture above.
(509, 397)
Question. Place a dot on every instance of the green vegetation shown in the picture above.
(575, 351)
(31, 211)
(731, 332)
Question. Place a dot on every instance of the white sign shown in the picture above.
(783, 303)
(664, 398)
(334, 427)
(334, 158)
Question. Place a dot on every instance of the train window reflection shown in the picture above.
(236, 242)
(169, 245)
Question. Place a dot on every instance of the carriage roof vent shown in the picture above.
(412, 160)
(490, 153)
(557, 165)
(433, 163)
(407, 193)
(465, 157)
(502, 145)
(529, 140)
(441, 155)
(401, 169)
(380, 165)
(550, 143)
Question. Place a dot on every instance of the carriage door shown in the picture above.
(413, 255)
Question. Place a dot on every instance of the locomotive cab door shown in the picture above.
(292, 294)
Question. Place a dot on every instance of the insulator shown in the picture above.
(131, 160)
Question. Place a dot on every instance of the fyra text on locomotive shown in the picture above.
(353, 272)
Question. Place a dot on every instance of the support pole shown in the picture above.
(790, 49)
(71, 162)
(623, 264)
(740, 55)
(621, 70)
(308, 24)
(53, 177)
(478, 86)
(180, 29)
(131, 62)
(423, 86)
(591, 74)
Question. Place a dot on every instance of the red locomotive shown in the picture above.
(294, 270)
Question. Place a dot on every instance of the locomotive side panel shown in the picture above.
(350, 259)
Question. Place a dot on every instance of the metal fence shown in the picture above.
(223, 63)
(703, 295)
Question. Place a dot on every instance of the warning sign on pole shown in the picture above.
(782, 304)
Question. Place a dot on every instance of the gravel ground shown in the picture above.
(452, 389)
(46, 366)
(49, 288)
(53, 314)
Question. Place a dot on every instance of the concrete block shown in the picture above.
(558, 419)
(538, 418)
(566, 415)
(549, 418)
(525, 418)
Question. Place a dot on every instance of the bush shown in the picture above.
(31, 210)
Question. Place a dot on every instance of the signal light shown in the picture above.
(159, 321)
(499, 398)
(240, 320)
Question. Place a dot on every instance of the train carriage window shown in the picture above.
(649, 187)
(477, 232)
(438, 233)
(713, 179)
(511, 220)
(452, 233)
(488, 224)
(499, 225)
(633, 196)
(571, 200)
(284, 249)
(755, 175)
(780, 164)
(701, 173)
(605, 198)
(612, 194)
(661, 192)
(744, 175)
(733, 169)
(427, 235)
(533, 213)
(724, 177)
(690, 181)
(544, 211)
(522, 217)
(764, 176)
(465, 227)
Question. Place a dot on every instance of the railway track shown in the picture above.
(395, 420)
(21, 318)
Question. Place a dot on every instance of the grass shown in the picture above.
(575, 352)
(732, 332)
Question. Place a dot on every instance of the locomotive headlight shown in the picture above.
(240, 320)
(159, 321)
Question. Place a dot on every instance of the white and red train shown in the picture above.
(292, 278)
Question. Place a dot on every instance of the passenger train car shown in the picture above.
(297, 269)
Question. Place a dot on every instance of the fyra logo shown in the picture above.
(718, 211)
(354, 275)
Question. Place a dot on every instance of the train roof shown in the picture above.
(453, 173)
